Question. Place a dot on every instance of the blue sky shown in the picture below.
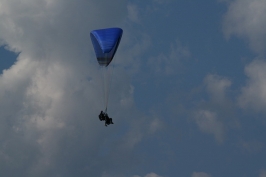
(187, 95)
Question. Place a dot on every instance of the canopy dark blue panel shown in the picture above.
(105, 43)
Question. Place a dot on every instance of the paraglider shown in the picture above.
(102, 116)
(105, 43)
(106, 118)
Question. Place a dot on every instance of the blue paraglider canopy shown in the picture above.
(105, 43)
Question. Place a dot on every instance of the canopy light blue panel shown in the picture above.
(105, 43)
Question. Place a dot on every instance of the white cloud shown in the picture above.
(152, 174)
(134, 45)
(50, 98)
(169, 63)
(263, 173)
(247, 19)
(41, 27)
(252, 146)
(155, 125)
(200, 174)
(216, 86)
(253, 95)
(208, 122)
(133, 13)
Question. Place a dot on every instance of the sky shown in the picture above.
(187, 98)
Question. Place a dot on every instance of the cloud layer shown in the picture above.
(253, 95)
(50, 98)
(247, 19)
